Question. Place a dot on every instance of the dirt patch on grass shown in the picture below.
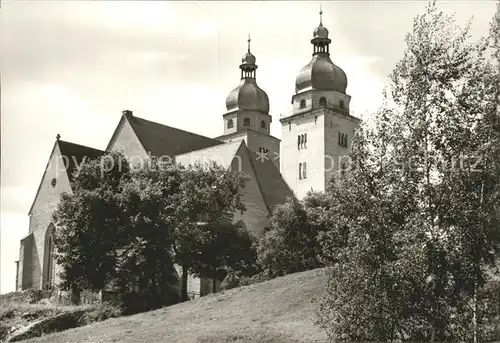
(21, 321)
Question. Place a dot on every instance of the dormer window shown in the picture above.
(246, 122)
(230, 124)
(322, 102)
(302, 104)
(262, 124)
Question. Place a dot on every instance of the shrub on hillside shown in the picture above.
(291, 243)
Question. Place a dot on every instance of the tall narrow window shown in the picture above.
(246, 122)
(298, 142)
(341, 103)
(262, 124)
(345, 141)
(230, 124)
(289, 126)
(304, 170)
(322, 102)
(340, 143)
(302, 104)
(300, 171)
(305, 140)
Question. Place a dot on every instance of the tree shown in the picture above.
(410, 201)
(290, 244)
(88, 221)
(220, 247)
(208, 194)
(146, 263)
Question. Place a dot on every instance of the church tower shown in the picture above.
(247, 117)
(316, 134)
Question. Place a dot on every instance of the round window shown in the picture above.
(53, 182)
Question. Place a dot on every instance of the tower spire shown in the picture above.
(320, 15)
(249, 40)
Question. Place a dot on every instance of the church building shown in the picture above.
(314, 137)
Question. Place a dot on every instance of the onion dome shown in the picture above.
(248, 95)
(321, 73)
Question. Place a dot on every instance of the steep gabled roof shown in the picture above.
(223, 154)
(74, 155)
(274, 188)
(162, 140)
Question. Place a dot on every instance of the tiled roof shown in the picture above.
(162, 140)
(272, 185)
(274, 188)
(223, 154)
(75, 153)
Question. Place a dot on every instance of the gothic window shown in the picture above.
(298, 142)
(322, 102)
(300, 171)
(302, 104)
(304, 171)
(341, 103)
(246, 122)
(230, 124)
(262, 124)
(48, 276)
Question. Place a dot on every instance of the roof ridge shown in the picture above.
(79, 145)
(213, 146)
(175, 128)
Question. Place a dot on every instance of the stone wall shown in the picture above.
(46, 201)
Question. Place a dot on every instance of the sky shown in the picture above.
(71, 67)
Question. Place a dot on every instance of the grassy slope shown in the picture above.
(275, 311)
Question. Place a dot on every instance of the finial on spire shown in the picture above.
(320, 15)
(58, 136)
(249, 40)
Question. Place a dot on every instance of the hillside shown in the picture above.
(274, 311)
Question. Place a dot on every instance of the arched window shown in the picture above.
(300, 171)
(262, 124)
(246, 122)
(48, 259)
(341, 103)
(304, 171)
(302, 103)
(299, 140)
(322, 102)
(305, 140)
(230, 124)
